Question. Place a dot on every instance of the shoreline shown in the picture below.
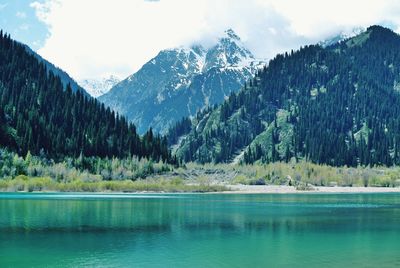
(244, 189)
(281, 189)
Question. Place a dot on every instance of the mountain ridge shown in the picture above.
(179, 82)
(337, 105)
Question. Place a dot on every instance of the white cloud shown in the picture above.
(95, 38)
(314, 17)
(21, 15)
(24, 27)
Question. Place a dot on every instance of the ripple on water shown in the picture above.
(87, 196)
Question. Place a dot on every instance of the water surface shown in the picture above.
(200, 230)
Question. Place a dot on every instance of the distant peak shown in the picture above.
(231, 34)
(99, 86)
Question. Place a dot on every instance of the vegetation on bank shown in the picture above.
(93, 174)
(87, 169)
(298, 174)
(29, 184)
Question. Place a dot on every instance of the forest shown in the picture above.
(337, 105)
(39, 115)
(317, 106)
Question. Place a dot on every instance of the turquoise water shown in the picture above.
(195, 230)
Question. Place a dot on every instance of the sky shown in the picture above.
(98, 38)
(20, 20)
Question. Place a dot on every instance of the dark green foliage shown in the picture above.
(80, 168)
(180, 128)
(38, 114)
(6, 132)
(343, 102)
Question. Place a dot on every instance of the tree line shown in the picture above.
(343, 104)
(40, 115)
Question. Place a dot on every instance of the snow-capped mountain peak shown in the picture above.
(229, 51)
(180, 81)
(98, 87)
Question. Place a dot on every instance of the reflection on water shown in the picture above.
(204, 230)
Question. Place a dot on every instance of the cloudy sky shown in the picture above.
(97, 38)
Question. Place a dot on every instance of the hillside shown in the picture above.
(181, 81)
(38, 114)
(338, 105)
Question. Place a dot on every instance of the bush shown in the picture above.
(240, 179)
(304, 187)
(22, 178)
(260, 181)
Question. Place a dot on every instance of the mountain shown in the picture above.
(40, 115)
(98, 87)
(179, 82)
(338, 105)
(65, 78)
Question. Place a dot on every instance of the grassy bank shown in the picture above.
(304, 173)
(295, 174)
(32, 173)
(23, 183)
(93, 174)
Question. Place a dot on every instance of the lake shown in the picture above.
(199, 230)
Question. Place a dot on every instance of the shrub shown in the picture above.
(260, 181)
(22, 178)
